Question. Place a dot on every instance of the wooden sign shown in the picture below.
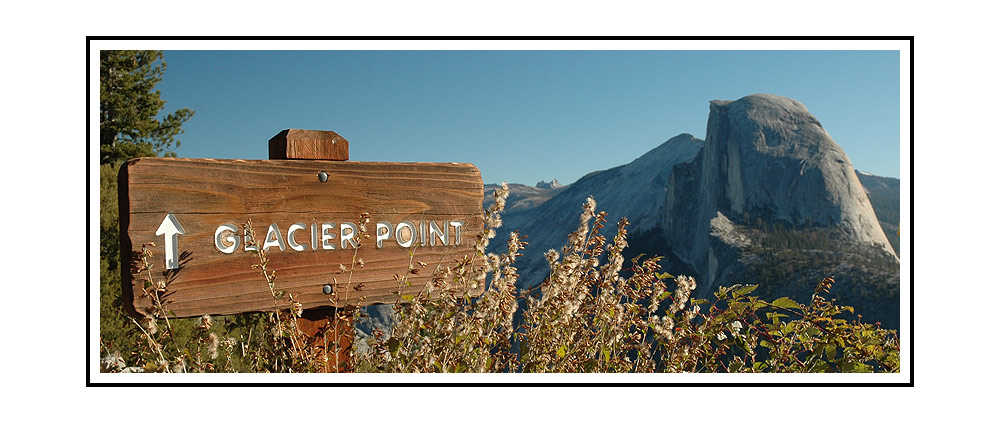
(305, 215)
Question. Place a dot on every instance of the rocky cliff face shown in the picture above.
(634, 190)
(765, 157)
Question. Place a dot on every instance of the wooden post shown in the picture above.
(325, 333)
(321, 326)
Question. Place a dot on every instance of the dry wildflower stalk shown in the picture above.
(283, 319)
(343, 319)
(153, 288)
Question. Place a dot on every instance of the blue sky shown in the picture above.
(520, 116)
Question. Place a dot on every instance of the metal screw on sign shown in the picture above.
(327, 289)
(323, 176)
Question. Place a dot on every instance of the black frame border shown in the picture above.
(88, 165)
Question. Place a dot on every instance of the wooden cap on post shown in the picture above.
(305, 144)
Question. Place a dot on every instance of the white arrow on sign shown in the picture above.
(170, 228)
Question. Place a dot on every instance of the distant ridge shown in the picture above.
(548, 185)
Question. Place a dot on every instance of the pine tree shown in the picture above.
(130, 105)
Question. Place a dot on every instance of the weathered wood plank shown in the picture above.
(204, 194)
(308, 144)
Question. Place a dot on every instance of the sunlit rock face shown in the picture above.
(770, 153)
(764, 156)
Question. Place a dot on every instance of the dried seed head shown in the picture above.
(205, 323)
(180, 366)
(500, 195)
(113, 361)
(150, 324)
(552, 256)
(213, 345)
